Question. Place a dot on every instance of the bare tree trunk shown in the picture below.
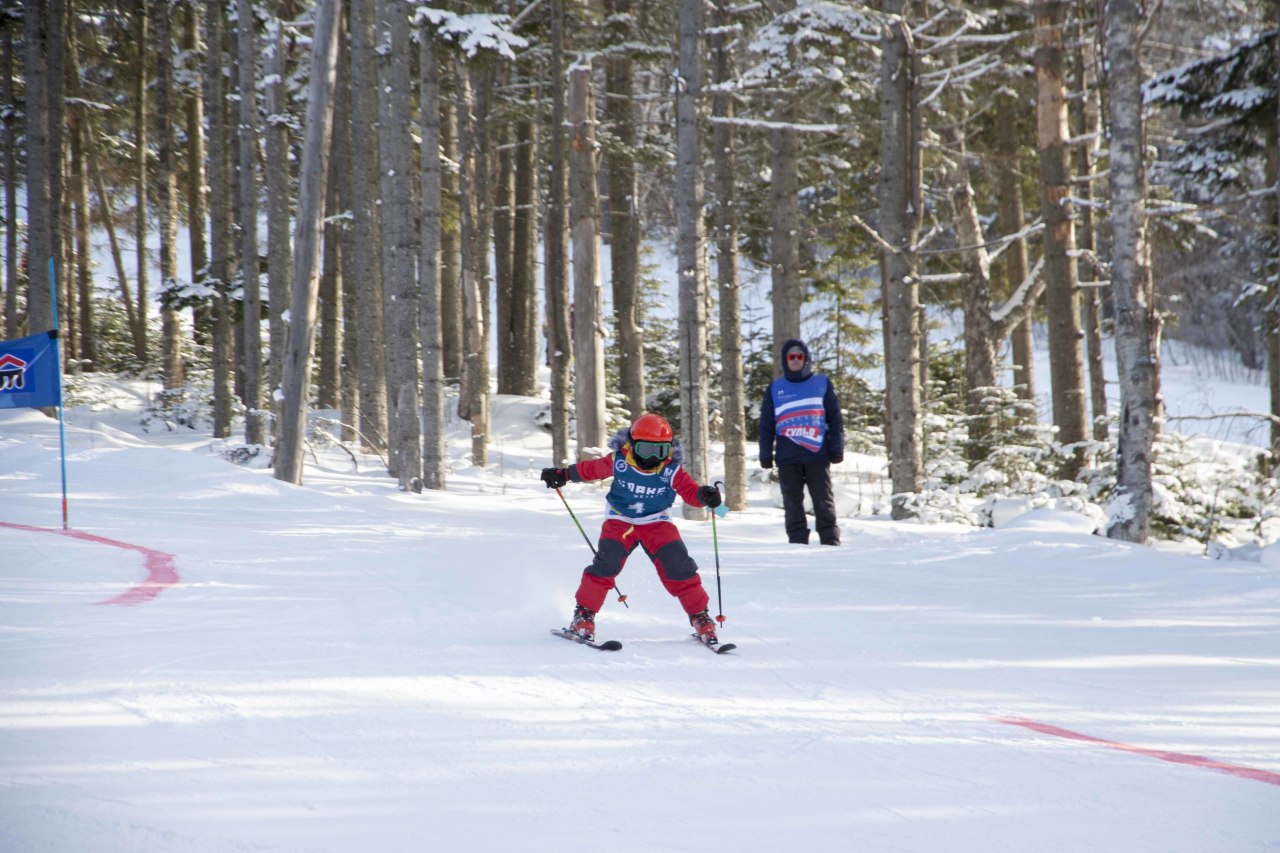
(1084, 126)
(690, 249)
(584, 235)
(1271, 319)
(1011, 220)
(41, 161)
(10, 120)
(340, 170)
(784, 234)
(899, 225)
(1062, 294)
(85, 351)
(142, 333)
(473, 402)
(559, 347)
(195, 190)
(524, 273)
(732, 393)
(979, 329)
(276, 176)
(220, 219)
(366, 256)
(1132, 502)
(429, 316)
(450, 237)
(504, 208)
(330, 391)
(329, 346)
(624, 225)
(313, 178)
(255, 431)
(399, 243)
(167, 177)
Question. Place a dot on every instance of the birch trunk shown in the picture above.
(690, 249)
(1131, 505)
(584, 235)
(304, 288)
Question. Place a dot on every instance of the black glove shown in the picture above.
(766, 462)
(555, 477)
(836, 457)
(709, 495)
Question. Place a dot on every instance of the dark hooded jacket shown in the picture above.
(788, 452)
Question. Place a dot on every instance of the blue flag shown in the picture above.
(29, 372)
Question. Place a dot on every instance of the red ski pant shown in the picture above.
(662, 543)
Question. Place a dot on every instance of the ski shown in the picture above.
(606, 646)
(715, 645)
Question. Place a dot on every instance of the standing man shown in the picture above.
(802, 412)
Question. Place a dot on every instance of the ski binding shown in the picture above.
(606, 646)
(715, 645)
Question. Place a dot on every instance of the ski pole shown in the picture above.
(621, 597)
(715, 544)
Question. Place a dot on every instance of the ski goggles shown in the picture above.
(651, 449)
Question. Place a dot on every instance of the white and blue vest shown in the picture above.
(641, 496)
(798, 410)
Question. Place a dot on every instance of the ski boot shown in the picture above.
(705, 627)
(583, 623)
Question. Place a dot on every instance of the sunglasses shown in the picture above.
(651, 449)
(795, 356)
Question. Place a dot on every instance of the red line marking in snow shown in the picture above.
(1176, 757)
(160, 569)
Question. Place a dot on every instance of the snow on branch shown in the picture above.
(762, 124)
(472, 33)
(1020, 298)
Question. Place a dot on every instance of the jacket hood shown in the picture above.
(804, 372)
(620, 438)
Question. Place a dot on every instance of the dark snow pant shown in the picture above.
(661, 542)
(793, 477)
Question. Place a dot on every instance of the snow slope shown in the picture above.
(341, 667)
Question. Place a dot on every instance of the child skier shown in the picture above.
(646, 472)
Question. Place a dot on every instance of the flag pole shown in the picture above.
(57, 363)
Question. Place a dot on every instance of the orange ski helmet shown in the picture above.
(651, 427)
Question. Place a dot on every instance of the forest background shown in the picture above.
(411, 188)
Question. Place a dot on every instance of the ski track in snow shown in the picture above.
(341, 667)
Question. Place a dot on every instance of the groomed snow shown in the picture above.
(343, 667)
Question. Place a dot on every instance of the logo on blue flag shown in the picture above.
(29, 372)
